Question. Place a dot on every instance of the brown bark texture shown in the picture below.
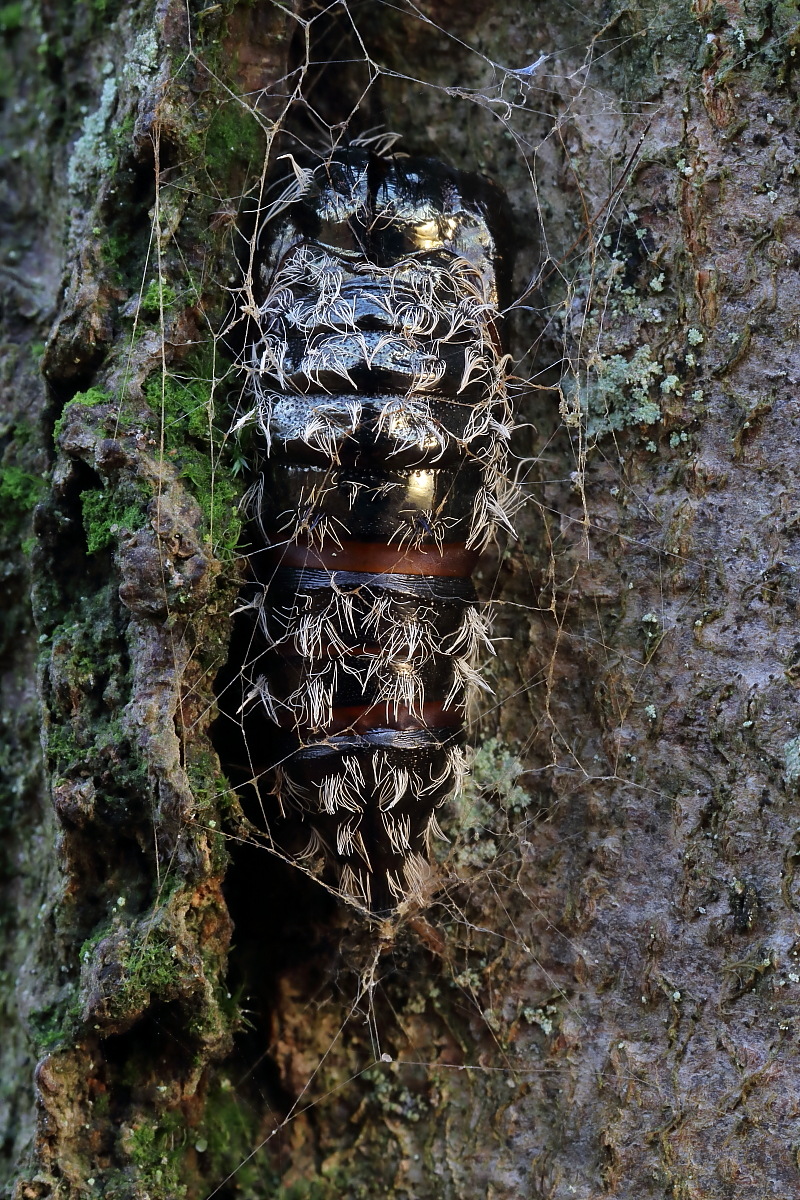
(600, 1000)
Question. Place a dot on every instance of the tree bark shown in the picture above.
(600, 1000)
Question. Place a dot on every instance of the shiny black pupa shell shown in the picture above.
(377, 385)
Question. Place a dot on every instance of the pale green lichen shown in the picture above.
(495, 769)
(616, 392)
(142, 59)
(791, 759)
(545, 1017)
(91, 154)
(491, 793)
(652, 633)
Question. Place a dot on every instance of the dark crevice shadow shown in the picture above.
(287, 929)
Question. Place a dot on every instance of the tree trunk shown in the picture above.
(600, 999)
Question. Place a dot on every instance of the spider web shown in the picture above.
(360, 1019)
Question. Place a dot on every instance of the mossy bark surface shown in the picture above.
(601, 999)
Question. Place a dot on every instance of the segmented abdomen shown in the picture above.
(378, 388)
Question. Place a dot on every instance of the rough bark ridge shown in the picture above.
(601, 1001)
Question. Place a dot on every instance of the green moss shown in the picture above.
(150, 969)
(209, 786)
(212, 796)
(86, 658)
(120, 135)
(218, 497)
(19, 492)
(185, 403)
(117, 249)
(158, 296)
(88, 399)
(193, 443)
(231, 1131)
(105, 514)
(229, 1134)
(106, 754)
(11, 18)
(47, 1026)
(63, 749)
(56, 1023)
(91, 943)
(21, 482)
(158, 1150)
(233, 138)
